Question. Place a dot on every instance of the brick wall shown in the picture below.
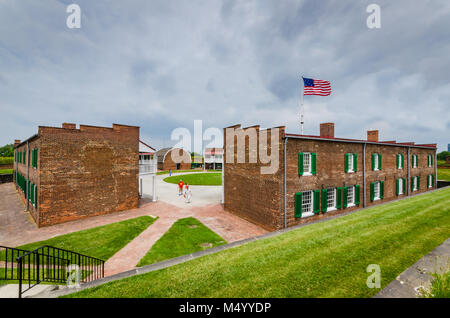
(84, 172)
(260, 198)
(170, 164)
(248, 193)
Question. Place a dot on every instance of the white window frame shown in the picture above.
(430, 160)
(400, 186)
(377, 168)
(430, 181)
(377, 191)
(351, 161)
(415, 183)
(400, 163)
(351, 202)
(331, 191)
(307, 167)
(415, 159)
(310, 208)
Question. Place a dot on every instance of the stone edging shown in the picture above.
(188, 257)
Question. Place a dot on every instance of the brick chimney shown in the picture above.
(327, 130)
(16, 142)
(69, 126)
(372, 135)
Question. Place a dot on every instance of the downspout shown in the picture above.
(409, 172)
(27, 190)
(285, 190)
(435, 169)
(364, 175)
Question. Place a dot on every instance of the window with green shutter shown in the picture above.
(357, 194)
(339, 198)
(381, 189)
(418, 182)
(380, 160)
(316, 201)
(313, 163)
(346, 158)
(355, 162)
(345, 197)
(324, 200)
(372, 191)
(300, 163)
(298, 205)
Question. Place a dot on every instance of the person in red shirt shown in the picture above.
(180, 187)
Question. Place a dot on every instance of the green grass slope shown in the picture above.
(327, 259)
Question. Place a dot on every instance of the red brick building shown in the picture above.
(67, 173)
(173, 159)
(322, 175)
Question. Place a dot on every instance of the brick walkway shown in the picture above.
(17, 226)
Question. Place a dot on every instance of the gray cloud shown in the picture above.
(162, 64)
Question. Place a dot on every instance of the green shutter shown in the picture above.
(373, 162)
(355, 162)
(372, 192)
(379, 161)
(381, 189)
(339, 198)
(316, 201)
(357, 194)
(397, 186)
(300, 163)
(313, 163)
(346, 163)
(434, 182)
(431, 157)
(345, 198)
(403, 161)
(412, 184)
(298, 205)
(418, 182)
(324, 200)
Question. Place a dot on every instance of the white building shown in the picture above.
(147, 167)
(213, 158)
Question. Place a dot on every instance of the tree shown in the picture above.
(7, 151)
(443, 155)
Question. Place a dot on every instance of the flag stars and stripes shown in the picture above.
(316, 87)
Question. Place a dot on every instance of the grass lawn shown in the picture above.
(49, 273)
(197, 179)
(6, 171)
(443, 174)
(184, 237)
(327, 259)
(181, 171)
(100, 242)
(440, 286)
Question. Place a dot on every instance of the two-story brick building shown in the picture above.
(67, 173)
(322, 175)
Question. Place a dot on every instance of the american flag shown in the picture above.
(316, 87)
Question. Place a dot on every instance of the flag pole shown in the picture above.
(302, 108)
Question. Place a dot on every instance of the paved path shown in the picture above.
(17, 227)
(168, 192)
(408, 283)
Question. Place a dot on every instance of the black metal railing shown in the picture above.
(8, 263)
(51, 265)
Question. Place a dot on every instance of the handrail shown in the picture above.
(51, 264)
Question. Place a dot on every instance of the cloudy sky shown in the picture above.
(162, 64)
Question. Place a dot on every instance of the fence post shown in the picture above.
(19, 259)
